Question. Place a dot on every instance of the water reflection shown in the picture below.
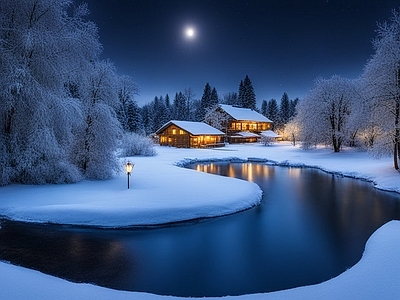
(310, 227)
(247, 171)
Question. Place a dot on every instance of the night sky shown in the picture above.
(283, 46)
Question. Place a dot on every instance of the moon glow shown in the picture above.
(190, 33)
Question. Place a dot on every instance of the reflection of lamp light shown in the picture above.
(129, 168)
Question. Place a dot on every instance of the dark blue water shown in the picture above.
(310, 227)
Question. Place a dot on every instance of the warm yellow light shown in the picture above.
(129, 167)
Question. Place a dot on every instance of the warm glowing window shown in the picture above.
(181, 131)
(238, 126)
(174, 131)
(253, 126)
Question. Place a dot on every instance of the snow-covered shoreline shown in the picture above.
(163, 192)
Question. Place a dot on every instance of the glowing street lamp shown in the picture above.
(129, 168)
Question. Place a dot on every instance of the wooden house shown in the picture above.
(185, 134)
(243, 125)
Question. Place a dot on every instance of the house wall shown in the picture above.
(235, 126)
(175, 137)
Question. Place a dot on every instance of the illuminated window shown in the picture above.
(174, 131)
(181, 131)
(238, 126)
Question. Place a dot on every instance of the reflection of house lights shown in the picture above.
(294, 172)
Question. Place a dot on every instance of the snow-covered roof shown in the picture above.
(245, 134)
(245, 114)
(194, 128)
(270, 133)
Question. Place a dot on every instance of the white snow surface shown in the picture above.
(161, 192)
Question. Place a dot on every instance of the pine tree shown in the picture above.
(134, 118)
(213, 98)
(264, 108)
(180, 107)
(273, 112)
(241, 94)
(168, 112)
(205, 102)
(126, 91)
(247, 95)
(292, 110)
(284, 110)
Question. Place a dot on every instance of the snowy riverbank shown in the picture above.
(163, 192)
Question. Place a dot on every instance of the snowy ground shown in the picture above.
(163, 192)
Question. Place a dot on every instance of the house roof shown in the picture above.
(194, 128)
(245, 114)
(270, 133)
(245, 134)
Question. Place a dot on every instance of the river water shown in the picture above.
(310, 227)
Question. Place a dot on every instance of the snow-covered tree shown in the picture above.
(231, 99)
(217, 118)
(96, 141)
(127, 89)
(292, 131)
(135, 144)
(43, 45)
(324, 113)
(382, 87)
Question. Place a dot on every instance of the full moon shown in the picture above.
(190, 32)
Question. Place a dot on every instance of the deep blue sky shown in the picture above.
(283, 46)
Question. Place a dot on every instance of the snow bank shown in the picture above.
(376, 276)
(160, 192)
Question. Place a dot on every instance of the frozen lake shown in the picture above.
(310, 227)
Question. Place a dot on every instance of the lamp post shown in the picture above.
(129, 168)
